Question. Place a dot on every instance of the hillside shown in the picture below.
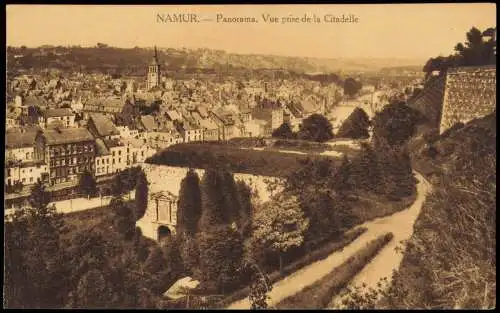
(450, 261)
(134, 61)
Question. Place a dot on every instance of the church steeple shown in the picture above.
(154, 72)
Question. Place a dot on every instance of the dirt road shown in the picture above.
(400, 224)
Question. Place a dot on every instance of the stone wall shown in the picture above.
(470, 92)
(429, 101)
(168, 178)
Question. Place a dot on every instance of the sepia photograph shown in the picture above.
(292, 156)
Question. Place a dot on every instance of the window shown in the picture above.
(113, 161)
(120, 152)
(119, 160)
(97, 162)
(24, 180)
(27, 155)
(113, 153)
(32, 155)
(31, 179)
(107, 161)
(31, 170)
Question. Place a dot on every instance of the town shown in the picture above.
(156, 177)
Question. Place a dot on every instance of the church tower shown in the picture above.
(154, 73)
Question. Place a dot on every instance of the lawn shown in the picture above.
(256, 162)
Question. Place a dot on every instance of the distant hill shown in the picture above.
(134, 61)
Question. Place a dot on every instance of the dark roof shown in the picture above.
(103, 125)
(112, 143)
(101, 148)
(295, 109)
(57, 112)
(67, 135)
(18, 139)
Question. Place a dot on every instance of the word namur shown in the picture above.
(177, 18)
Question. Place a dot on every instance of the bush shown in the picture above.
(284, 132)
(319, 294)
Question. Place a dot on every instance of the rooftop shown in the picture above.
(67, 135)
(57, 112)
(103, 125)
(16, 140)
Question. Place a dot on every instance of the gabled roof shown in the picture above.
(149, 123)
(57, 112)
(103, 125)
(174, 115)
(67, 135)
(16, 140)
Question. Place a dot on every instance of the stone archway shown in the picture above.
(163, 232)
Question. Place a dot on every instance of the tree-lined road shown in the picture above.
(400, 224)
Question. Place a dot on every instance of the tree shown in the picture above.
(221, 253)
(189, 206)
(87, 184)
(245, 216)
(315, 127)
(351, 86)
(35, 271)
(141, 195)
(355, 126)
(283, 132)
(259, 287)
(396, 124)
(124, 219)
(213, 201)
(281, 225)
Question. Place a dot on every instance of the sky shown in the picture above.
(402, 31)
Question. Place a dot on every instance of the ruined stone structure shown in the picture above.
(470, 93)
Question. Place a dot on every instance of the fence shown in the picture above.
(194, 302)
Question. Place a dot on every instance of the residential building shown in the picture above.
(101, 126)
(63, 117)
(67, 152)
(20, 146)
(118, 152)
(103, 158)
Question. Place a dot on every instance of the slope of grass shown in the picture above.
(450, 261)
(319, 294)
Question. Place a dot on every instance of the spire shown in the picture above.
(156, 53)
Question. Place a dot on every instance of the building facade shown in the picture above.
(67, 153)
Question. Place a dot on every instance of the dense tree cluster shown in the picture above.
(48, 265)
(315, 127)
(352, 86)
(478, 49)
(355, 126)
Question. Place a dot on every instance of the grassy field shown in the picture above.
(319, 294)
(256, 162)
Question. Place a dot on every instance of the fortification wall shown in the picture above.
(470, 92)
(430, 100)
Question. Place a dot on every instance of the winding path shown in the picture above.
(400, 224)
